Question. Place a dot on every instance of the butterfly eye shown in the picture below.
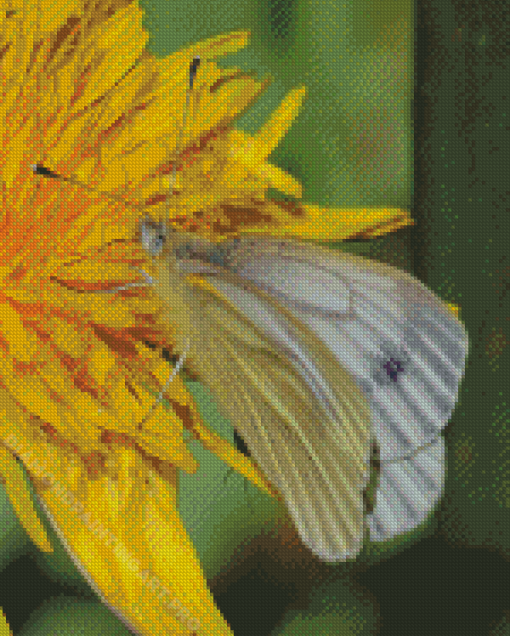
(153, 237)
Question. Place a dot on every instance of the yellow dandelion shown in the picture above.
(74, 373)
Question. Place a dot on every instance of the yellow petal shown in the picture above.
(156, 428)
(281, 180)
(21, 499)
(103, 309)
(272, 131)
(15, 427)
(100, 362)
(30, 392)
(168, 450)
(22, 343)
(66, 337)
(207, 50)
(224, 104)
(50, 16)
(335, 224)
(128, 407)
(67, 141)
(140, 162)
(14, 154)
(167, 539)
(90, 230)
(123, 31)
(4, 626)
(90, 271)
(128, 540)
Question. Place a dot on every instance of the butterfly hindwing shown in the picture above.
(407, 491)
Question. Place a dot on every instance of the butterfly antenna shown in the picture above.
(193, 68)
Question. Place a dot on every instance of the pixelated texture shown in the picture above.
(461, 245)
(351, 145)
(502, 628)
(63, 614)
(334, 608)
(13, 540)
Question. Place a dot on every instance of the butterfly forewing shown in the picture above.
(305, 421)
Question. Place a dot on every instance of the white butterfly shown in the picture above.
(314, 354)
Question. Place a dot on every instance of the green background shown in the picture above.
(397, 115)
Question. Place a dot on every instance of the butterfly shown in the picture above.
(315, 356)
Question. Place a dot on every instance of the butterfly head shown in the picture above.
(153, 236)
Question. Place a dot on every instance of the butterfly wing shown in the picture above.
(304, 419)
